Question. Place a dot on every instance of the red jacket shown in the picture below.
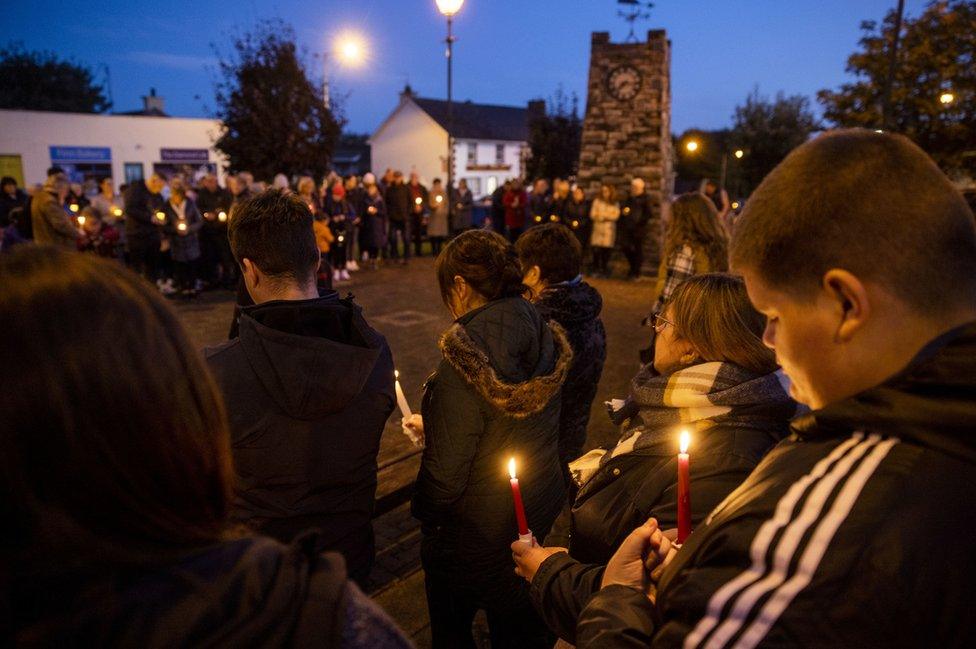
(515, 204)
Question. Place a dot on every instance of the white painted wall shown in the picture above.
(410, 140)
(131, 138)
(511, 160)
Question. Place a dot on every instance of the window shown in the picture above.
(499, 154)
(12, 165)
(492, 184)
(472, 154)
(474, 184)
(133, 172)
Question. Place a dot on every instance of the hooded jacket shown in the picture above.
(309, 387)
(248, 592)
(856, 531)
(495, 395)
(575, 306)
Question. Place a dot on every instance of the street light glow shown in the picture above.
(449, 7)
(739, 153)
(350, 49)
(947, 98)
(691, 146)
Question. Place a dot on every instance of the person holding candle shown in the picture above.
(373, 231)
(182, 226)
(495, 396)
(142, 229)
(713, 379)
(53, 223)
(856, 531)
(98, 237)
(419, 211)
(217, 264)
(437, 224)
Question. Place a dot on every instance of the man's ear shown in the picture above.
(533, 275)
(850, 297)
(252, 276)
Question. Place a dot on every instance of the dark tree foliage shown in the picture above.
(937, 54)
(42, 81)
(273, 115)
(766, 131)
(691, 167)
(555, 138)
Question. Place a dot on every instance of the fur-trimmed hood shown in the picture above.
(517, 399)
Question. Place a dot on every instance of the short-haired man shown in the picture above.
(551, 259)
(636, 217)
(49, 220)
(308, 386)
(857, 530)
(142, 201)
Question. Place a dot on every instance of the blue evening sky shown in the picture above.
(508, 51)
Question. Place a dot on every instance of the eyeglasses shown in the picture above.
(660, 323)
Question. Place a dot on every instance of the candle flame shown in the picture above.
(81, 220)
(684, 441)
(511, 467)
(396, 374)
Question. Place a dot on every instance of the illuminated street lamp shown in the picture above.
(691, 146)
(947, 98)
(349, 49)
(739, 153)
(449, 9)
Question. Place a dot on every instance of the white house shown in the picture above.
(89, 146)
(490, 142)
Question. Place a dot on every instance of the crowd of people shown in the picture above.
(819, 350)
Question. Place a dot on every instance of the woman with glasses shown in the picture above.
(711, 376)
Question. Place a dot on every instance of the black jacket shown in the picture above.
(309, 387)
(635, 213)
(249, 592)
(495, 394)
(397, 202)
(854, 532)
(576, 307)
(141, 206)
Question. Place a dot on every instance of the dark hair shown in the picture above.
(554, 249)
(694, 222)
(712, 311)
(485, 260)
(274, 230)
(871, 203)
(54, 170)
(113, 439)
(8, 180)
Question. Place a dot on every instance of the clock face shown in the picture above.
(624, 82)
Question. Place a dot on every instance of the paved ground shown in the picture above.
(404, 304)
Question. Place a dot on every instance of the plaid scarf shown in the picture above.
(699, 397)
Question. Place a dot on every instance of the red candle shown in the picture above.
(523, 525)
(684, 489)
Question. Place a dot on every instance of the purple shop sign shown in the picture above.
(184, 155)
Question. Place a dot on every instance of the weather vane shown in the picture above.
(634, 11)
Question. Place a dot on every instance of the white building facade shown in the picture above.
(91, 146)
(490, 142)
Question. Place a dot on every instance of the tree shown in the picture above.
(41, 81)
(766, 131)
(704, 162)
(555, 138)
(937, 56)
(274, 119)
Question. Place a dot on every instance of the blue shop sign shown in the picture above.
(81, 154)
(184, 155)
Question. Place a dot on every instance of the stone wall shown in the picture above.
(627, 138)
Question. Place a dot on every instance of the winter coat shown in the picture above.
(105, 207)
(397, 200)
(8, 202)
(372, 233)
(515, 206)
(635, 213)
(495, 395)
(309, 387)
(103, 243)
(604, 217)
(185, 244)
(437, 224)
(576, 306)
(576, 216)
(859, 524)
(246, 592)
(141, 206)
(737, 417)
(463, 210)
(51, 222)
(539, 209)
(211, 204)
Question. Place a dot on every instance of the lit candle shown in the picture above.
(684, 488)
(181, 226)
(221, 216)
(553, 218)
(117, 211)
(73, 207)
(81, 221)
(418, 200)
(439, 199)
(538, 219)
(525, 534)
(575, 224)
(401, 399)
(341, 238)
(160, 216)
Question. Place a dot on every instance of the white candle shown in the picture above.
(221, 216)
(401, 398)
(181, 226)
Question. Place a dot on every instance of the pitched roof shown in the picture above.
(479, 121)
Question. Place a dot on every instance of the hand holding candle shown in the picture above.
(684, 488)
(410, 427)
(525, 534)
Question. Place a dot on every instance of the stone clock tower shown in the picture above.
(627, 126)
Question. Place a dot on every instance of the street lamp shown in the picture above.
(691, 146)
(449, 9)
(947, 98)
(349, 49)
(739, 153)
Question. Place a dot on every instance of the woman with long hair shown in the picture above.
(494, 396)
(116, 483)
(711, 375)
(694, 243)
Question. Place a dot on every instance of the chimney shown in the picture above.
(152, 104)
(407, 93)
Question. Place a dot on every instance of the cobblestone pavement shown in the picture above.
(404, 304)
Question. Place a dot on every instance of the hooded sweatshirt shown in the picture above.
(856, 531)
(308, 386)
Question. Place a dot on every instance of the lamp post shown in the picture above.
(449, 9)
(349, 49)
